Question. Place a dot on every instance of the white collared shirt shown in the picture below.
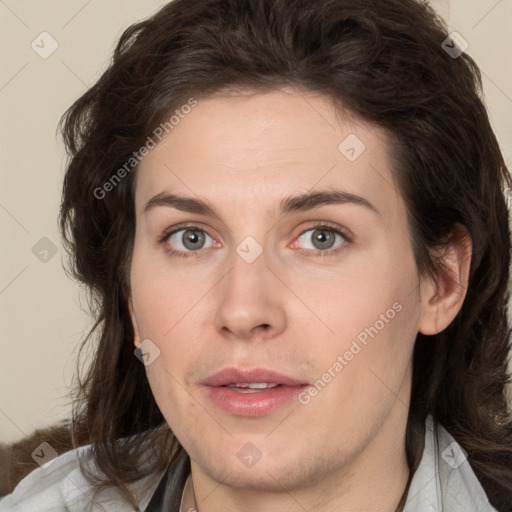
(444, 481)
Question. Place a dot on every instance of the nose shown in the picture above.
(250, 301)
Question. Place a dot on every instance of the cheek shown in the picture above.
(369, 320)
(163, 306)
(370, 298)
(162, 296)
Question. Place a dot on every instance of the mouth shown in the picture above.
(251, 393)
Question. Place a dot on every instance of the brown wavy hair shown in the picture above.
(383, 61)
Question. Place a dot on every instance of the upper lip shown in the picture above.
(257, 375)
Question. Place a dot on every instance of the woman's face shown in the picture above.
(322, 291)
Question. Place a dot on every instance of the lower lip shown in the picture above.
(252, 404)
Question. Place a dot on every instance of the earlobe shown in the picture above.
(442, 300)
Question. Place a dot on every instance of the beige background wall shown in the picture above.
(41, 315)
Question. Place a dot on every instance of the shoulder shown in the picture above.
(51, 486)
(61, 486)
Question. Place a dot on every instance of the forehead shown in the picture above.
(258, 148)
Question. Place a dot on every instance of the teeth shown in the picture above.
(254, 385)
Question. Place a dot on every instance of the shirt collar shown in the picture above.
(188, 501)
(444, 479)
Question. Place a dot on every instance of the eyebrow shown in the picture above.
(297, 203)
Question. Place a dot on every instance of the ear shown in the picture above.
(442, 299)
(136, 340)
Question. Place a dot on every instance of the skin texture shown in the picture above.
(244, 154)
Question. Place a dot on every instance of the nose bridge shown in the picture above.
(247, 301)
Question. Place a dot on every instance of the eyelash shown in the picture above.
(325, 226)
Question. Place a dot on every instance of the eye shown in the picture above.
(188, 239)
(320, 240)
(323, 238)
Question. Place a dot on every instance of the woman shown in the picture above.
(294, 212)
